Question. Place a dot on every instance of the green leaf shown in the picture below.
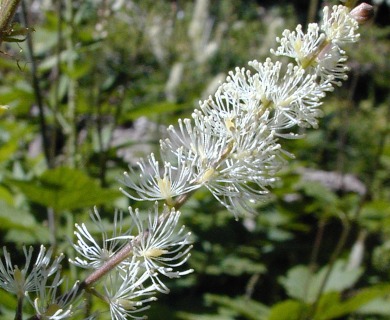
(287, 310)
(7, 150)
(235, 266)
(13, 218)
(6, 196)
(300, 283)
(243, 306)
(296, 283)
(350, 305)
(65, 189)
(8, 300)
(341, 277)
(378, 306)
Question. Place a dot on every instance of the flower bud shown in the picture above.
(362, 13)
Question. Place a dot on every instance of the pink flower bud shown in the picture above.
(362, 13)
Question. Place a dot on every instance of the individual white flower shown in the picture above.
(235, 107)
(243, 178)
(156, 183)
(331, 65)
(339, 26)
(126, 294)
(161, 245)
(299, 45)
(94, 253)
(313, 53)
(49, 306)
(30, 277)
(199, 146)
(293, 96)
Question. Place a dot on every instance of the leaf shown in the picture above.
(296, 283)
(13, 218)
(65, 189)
(235, 266)
(6, 196)
(287, 310)
(243, 306)
(341, 277)
(8, 301)
(350, 305)
(300, 283)
(378, 306)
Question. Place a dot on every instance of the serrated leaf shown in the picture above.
(65, 189)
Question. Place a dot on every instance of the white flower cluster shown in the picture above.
(158, 246)
(38, 282)
(231, 145)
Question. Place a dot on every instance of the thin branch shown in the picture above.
(336, 253)
(37, 90)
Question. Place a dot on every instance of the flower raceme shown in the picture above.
(232, 144)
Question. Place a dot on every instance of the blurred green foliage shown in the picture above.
(94, 68)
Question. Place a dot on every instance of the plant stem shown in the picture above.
(333, 258)
(314, 253)
(71, 116)
(57, 76)
(37, 90)
(7, 12)
(311, 14)
(19, 308)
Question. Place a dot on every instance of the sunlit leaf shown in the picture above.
(287, 310)
(300, 283)
(345, 307)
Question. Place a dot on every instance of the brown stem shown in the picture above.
(116, 259)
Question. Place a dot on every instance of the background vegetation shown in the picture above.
(91, 90)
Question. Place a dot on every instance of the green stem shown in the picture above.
(71, 116)
(7, 12)
(37, 90)
(336, 253)
(57, 71)
(315, 251)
